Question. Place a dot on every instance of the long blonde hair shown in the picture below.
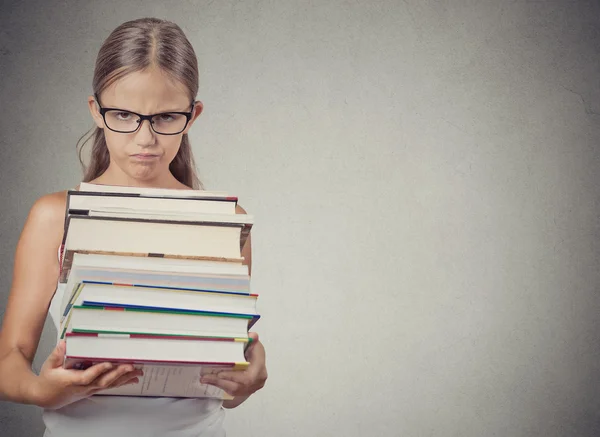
(134, 46)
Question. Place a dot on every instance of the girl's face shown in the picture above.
(143, 157)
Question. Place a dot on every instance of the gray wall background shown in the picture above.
(424, 180)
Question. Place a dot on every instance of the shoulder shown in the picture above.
(49, 208)
(46, 217)
(42, 234)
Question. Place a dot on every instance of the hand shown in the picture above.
(57, 387)
(243, 382)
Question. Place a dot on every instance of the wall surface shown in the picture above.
(424, 177)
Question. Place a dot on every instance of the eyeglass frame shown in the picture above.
(103, 111)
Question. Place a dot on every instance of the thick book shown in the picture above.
(124, 348)
(175, 281)
(147, 191)
(158, 298)
(120, 320)
(165, 380)
(164, 265)
(85, 200)
(169, 216)
(172, 366)
(153, 264)
(150, 237)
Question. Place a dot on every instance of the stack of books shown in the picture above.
(155, 277)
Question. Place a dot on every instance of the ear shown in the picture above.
(94, 110)
(198, 107)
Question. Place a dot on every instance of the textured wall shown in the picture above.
(424, 180)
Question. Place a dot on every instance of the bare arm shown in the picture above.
(35, 274)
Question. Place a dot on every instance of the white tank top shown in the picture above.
(124, 416)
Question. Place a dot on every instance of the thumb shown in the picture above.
(253, 340)
(57, 356)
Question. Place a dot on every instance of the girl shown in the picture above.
(145, 68)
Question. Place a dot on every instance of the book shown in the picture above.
(120, 320)
(137, 262)
(172, 216)
(131, 296)
(160, 238)
(220, 283)
(165, 380)
(177, 375)
(152, 264)
(79, 200)
(150, 192)
(217, 283)
(124, 348)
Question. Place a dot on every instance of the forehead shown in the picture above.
(146, 91)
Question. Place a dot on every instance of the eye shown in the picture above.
(123, 115)
(165, 118)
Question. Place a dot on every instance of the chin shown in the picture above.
(146, 173)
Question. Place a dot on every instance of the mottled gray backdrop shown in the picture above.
(424, 177)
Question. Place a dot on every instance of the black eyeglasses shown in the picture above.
(126, 122)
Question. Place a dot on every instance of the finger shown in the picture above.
(87, 376)
(230, 387)
(254, 379)
(253, 340)
(127, 378)
(255, 351)
(57, 356)
(240, 377)
(256, 357)
(109, 378)
(121, 382)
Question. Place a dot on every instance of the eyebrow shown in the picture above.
(154, 113)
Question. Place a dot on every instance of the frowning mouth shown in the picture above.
(145, 156)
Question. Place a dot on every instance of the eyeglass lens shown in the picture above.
(123, 121)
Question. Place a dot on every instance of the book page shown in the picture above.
(171, 381)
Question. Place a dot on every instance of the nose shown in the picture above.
(145, 136)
